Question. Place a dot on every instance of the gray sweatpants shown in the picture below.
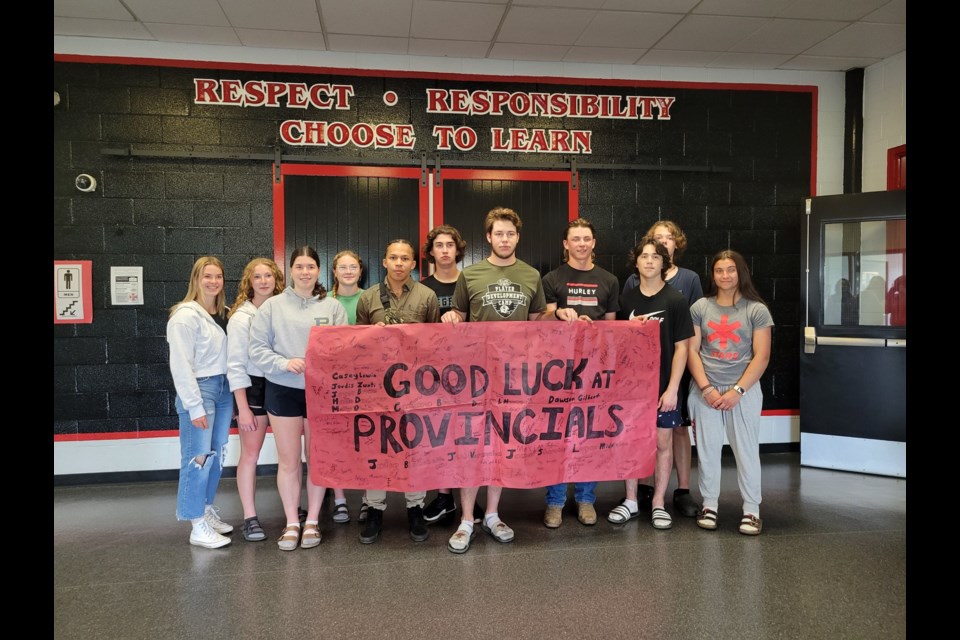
(742, 428)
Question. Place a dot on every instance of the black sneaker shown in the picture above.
(645, 497)
(418, 527)
(439, 507)
(372, 527)
(684, 504)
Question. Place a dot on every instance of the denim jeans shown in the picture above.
(198, 483)
(582, 492)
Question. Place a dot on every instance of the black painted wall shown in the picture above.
(161, 213)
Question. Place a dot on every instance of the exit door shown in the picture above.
(853, 360)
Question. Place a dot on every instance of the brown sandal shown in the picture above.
(311, 536)
(290, 537)
(707, 519)
(750, 525)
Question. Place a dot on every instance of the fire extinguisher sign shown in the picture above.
(72, 292)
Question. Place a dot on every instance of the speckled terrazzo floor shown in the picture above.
(831, 563)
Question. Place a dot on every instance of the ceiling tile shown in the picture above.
(831, 9)
(455, 20)
(516, 51)
(836, 34)
(281, 15)
(95, 9)
(713, 33)
(626, 29)
(366, 44)
(782, 35)
(755, 8)
(729, 60)
(192, 33)
(449, 48)
(367, 17)
(567, 4)
(270, 39)
(661, 57)
(892, 13)
(613, 55)
(864, 40)
(661, 6)
(198, 12)
(544, 26)
(100, 28)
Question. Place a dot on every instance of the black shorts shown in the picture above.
(669, 419)
(256, 393)
(285, 402)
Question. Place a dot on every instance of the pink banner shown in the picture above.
(415, 407)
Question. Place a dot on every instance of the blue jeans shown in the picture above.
(198, 482)
(582, 492)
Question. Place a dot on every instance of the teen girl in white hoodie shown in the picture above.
(260, 281)
(196, 333)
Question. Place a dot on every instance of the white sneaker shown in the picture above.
(212, 516)
(203, 535)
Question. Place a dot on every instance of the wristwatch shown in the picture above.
(739, 389)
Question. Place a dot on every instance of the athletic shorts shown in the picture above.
(669, 419)
(256, 393)
(285, 402)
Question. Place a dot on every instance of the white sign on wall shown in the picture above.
(126, 285)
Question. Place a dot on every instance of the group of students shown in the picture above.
(250, 363)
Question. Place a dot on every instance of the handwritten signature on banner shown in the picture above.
(412, 407)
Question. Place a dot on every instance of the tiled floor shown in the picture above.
(831, 563)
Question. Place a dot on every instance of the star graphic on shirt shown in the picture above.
(723, 331)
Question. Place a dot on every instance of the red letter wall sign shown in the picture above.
(516, 404)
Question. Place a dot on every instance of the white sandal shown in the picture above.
(660, 519)
(621, 514)
(290, 537)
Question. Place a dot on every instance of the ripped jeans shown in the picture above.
(198, 483)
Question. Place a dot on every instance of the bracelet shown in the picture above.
(703, 389)
(739, 389)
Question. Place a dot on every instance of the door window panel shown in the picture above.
(865, 273)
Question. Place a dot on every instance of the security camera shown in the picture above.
(86, 183)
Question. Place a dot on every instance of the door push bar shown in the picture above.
(811, 340)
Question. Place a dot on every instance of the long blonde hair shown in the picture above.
(245, 290)
(193, 288)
